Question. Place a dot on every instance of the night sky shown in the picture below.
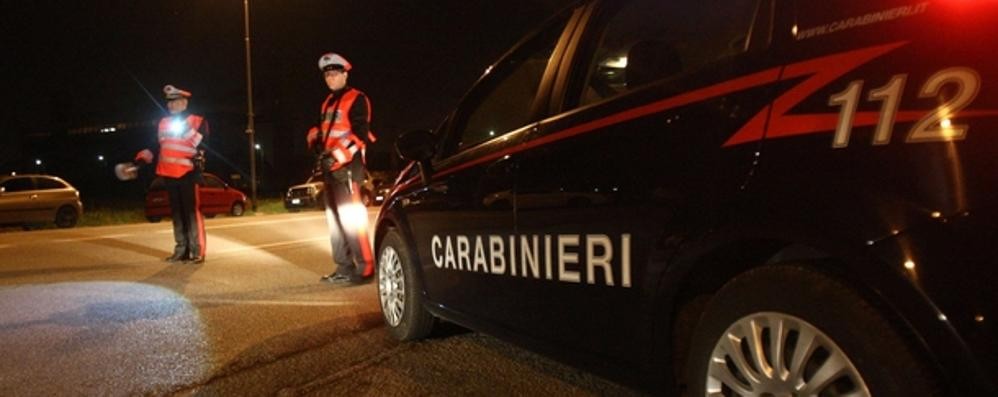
(71, 64)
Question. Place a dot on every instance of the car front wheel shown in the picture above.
(790, 330)
(66, 217)
(400, 291)
(237, 209)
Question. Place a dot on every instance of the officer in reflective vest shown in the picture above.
(181, 160)
(339, 142)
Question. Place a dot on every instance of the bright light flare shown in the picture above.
(353, 216)
(177, 127)
(616, 63)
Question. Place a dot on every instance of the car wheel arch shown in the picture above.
(416, 321)
(808, 282)
(59, 214)
(729, 260)
(388, 221)
(242, 208)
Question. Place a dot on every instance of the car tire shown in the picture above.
(847, 332)
(237, 209)
(153, 219)
(400, 291)
(66, 217)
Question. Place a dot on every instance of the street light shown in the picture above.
(249, 104)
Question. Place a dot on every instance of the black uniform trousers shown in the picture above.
(188, 222)
(347, 220)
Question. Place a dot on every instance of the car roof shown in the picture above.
(9, 176)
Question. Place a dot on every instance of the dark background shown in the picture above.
(73, 68)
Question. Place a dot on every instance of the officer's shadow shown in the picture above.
(174, 276)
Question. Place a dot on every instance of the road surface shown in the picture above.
(95, 311)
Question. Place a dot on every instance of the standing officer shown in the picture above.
(339, 141)
(181, 161)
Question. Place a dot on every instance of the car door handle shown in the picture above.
(34, 196)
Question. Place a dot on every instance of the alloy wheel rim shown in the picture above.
(391, 286)
(772, 354)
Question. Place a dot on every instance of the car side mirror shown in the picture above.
(418, 146)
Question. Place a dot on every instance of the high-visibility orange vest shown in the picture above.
(178, 142)
(340, 140)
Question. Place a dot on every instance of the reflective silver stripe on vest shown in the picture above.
(193, 133)
(176, 160)
(338, 133)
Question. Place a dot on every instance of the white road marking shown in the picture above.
(241, 224)
(269, 302)
(270, 245)
(73, 240)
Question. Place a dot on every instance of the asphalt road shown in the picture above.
(95, 311)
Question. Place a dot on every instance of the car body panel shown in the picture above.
(814, 145)
(216, 197)
(38, 201)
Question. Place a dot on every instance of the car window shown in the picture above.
(18, 185)
(503, 100)
(649, 40)
(49, 183)
(211, 181)
(157, 184)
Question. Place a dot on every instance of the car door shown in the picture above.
(52, 194)
(633, 166)
(18, 200)
(212, 195)
(463, 218)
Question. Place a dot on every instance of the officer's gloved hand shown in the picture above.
(326, 161)
(199, 160)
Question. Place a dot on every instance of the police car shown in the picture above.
(737, 197)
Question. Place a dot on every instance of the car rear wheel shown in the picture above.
(66, 217)
(789, 330)
(400, 291)
(238, 208)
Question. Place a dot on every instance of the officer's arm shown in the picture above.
(360, 119)
(147, 154)
(205, 131)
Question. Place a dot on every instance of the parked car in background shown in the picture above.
(305, 195)
(217, 197)
(381, 190)
(310, 194)
(29, 199)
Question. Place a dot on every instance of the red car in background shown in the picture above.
(217, 197)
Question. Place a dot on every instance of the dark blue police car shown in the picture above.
(738, 197)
